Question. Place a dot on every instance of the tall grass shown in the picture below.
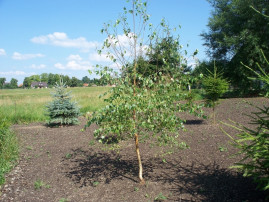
(8, 149)
(28, 105)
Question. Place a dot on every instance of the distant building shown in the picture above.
(85, 85)
(39, 85)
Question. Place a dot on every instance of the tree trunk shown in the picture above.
(140, 175)
(214, 116)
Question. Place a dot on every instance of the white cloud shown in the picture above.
(15, 73)
(61, 39)
(41, 66)
(99, 58)
(74, 65)
(2, 52)
(59, 66)
(75, 62)
(74, 57)
(19, 56)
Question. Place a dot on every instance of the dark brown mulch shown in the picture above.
(72, 166)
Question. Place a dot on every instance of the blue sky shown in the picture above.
(61, 36)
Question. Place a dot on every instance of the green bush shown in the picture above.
(8, 149)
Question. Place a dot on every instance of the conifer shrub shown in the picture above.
(215, 86)
(62, 110)
(253, 144)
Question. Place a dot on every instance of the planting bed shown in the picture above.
(65, 164)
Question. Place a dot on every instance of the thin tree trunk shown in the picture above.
(140, 175)
(214, 116)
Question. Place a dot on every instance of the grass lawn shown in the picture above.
(28, 105)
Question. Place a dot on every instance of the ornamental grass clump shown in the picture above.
(62, 111)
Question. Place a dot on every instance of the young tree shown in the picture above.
(150, 108)
(62, 111)
(215, 86)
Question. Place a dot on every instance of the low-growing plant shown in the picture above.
(68, 155)
(223, 149)
(160, 197)
(38, 184)
(215, 86)
(63, 200)
(95, 183)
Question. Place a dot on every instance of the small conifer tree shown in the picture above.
(62, 111)
(215, 86)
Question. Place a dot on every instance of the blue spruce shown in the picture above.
(62, 111)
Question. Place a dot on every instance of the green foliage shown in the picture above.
(2, 81)
(261, 76)
(38, 184)
(8, 149)
(148, 98)
(215, 86)
(156, 105)
(236, 34)
(62, 111)
(160, 197)
(253, 144)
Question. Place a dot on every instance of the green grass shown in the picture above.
(8, 149)
(28, 105)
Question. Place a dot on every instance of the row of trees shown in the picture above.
(52, 79)
(8, 85)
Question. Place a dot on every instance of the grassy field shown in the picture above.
(28, 105)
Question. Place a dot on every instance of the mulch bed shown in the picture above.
(69, 166)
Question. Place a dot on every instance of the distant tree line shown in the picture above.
(8, 85)
(51, 80)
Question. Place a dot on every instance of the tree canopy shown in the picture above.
(236, 34)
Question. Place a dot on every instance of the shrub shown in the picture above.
(62, 111)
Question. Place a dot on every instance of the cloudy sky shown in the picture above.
(62, 36)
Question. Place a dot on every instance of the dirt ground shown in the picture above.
(65, 164)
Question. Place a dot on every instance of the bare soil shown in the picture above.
(65, 164)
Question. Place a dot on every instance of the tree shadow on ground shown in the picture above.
(194, 122)
(87, 167)
(194, 181)
(208, 183)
